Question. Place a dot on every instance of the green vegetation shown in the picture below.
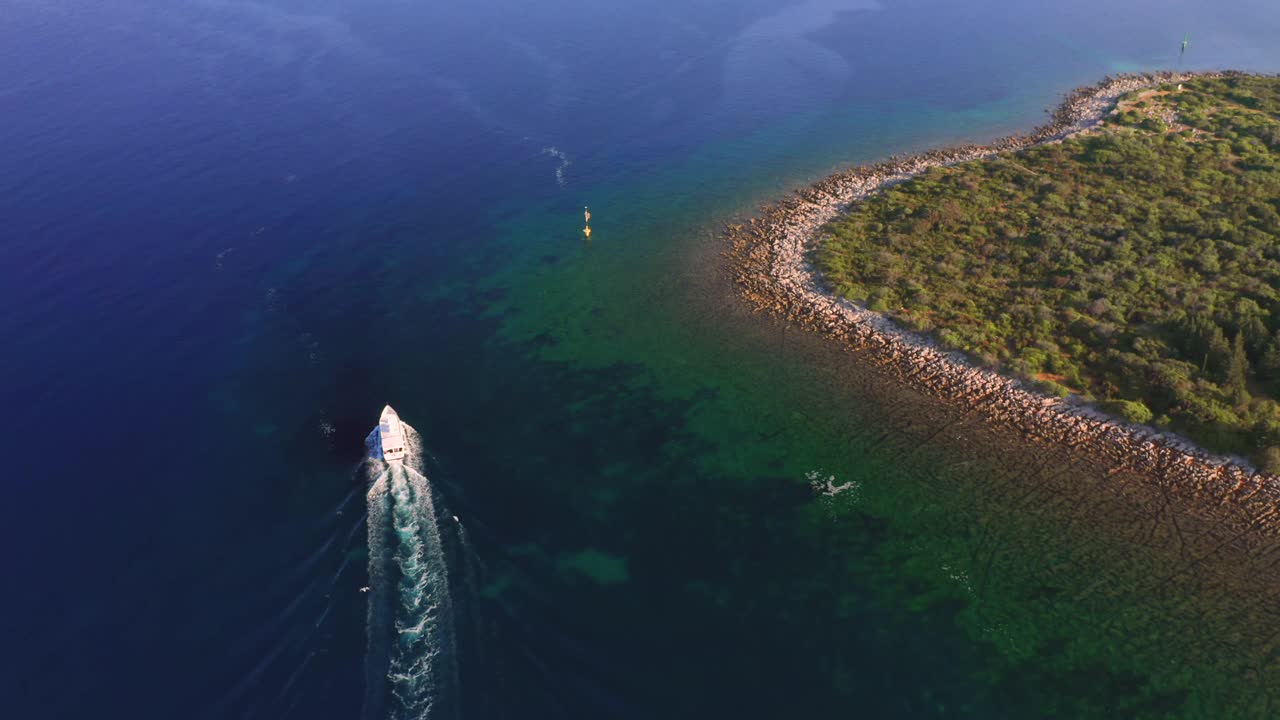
(1138, 266)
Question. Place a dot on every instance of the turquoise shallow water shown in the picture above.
(239, 228)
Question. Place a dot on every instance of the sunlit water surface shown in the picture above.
(235, 229)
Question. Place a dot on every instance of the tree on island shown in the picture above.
(1137, 266)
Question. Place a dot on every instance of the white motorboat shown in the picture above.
(391, 437)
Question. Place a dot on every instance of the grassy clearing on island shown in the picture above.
(1138, 266)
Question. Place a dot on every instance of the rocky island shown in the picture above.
(1110, 281)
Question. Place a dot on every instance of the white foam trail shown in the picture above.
(558, 154)
(411, 670)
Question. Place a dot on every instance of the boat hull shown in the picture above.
(391, 437)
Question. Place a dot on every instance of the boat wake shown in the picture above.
(411, 666)
(563, 160)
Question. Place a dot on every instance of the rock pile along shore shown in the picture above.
(770, 266)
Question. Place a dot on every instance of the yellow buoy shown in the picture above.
(587, 231)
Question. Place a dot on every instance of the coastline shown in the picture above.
(768, 262)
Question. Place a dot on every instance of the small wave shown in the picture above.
(558, 154)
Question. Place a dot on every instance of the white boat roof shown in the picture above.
(391, 435)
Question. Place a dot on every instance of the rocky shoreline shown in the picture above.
(769, 260)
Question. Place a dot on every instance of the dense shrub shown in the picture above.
(1139, 262)
(1270, 460)
(1130, 410)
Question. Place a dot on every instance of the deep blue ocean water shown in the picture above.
(234, 230)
